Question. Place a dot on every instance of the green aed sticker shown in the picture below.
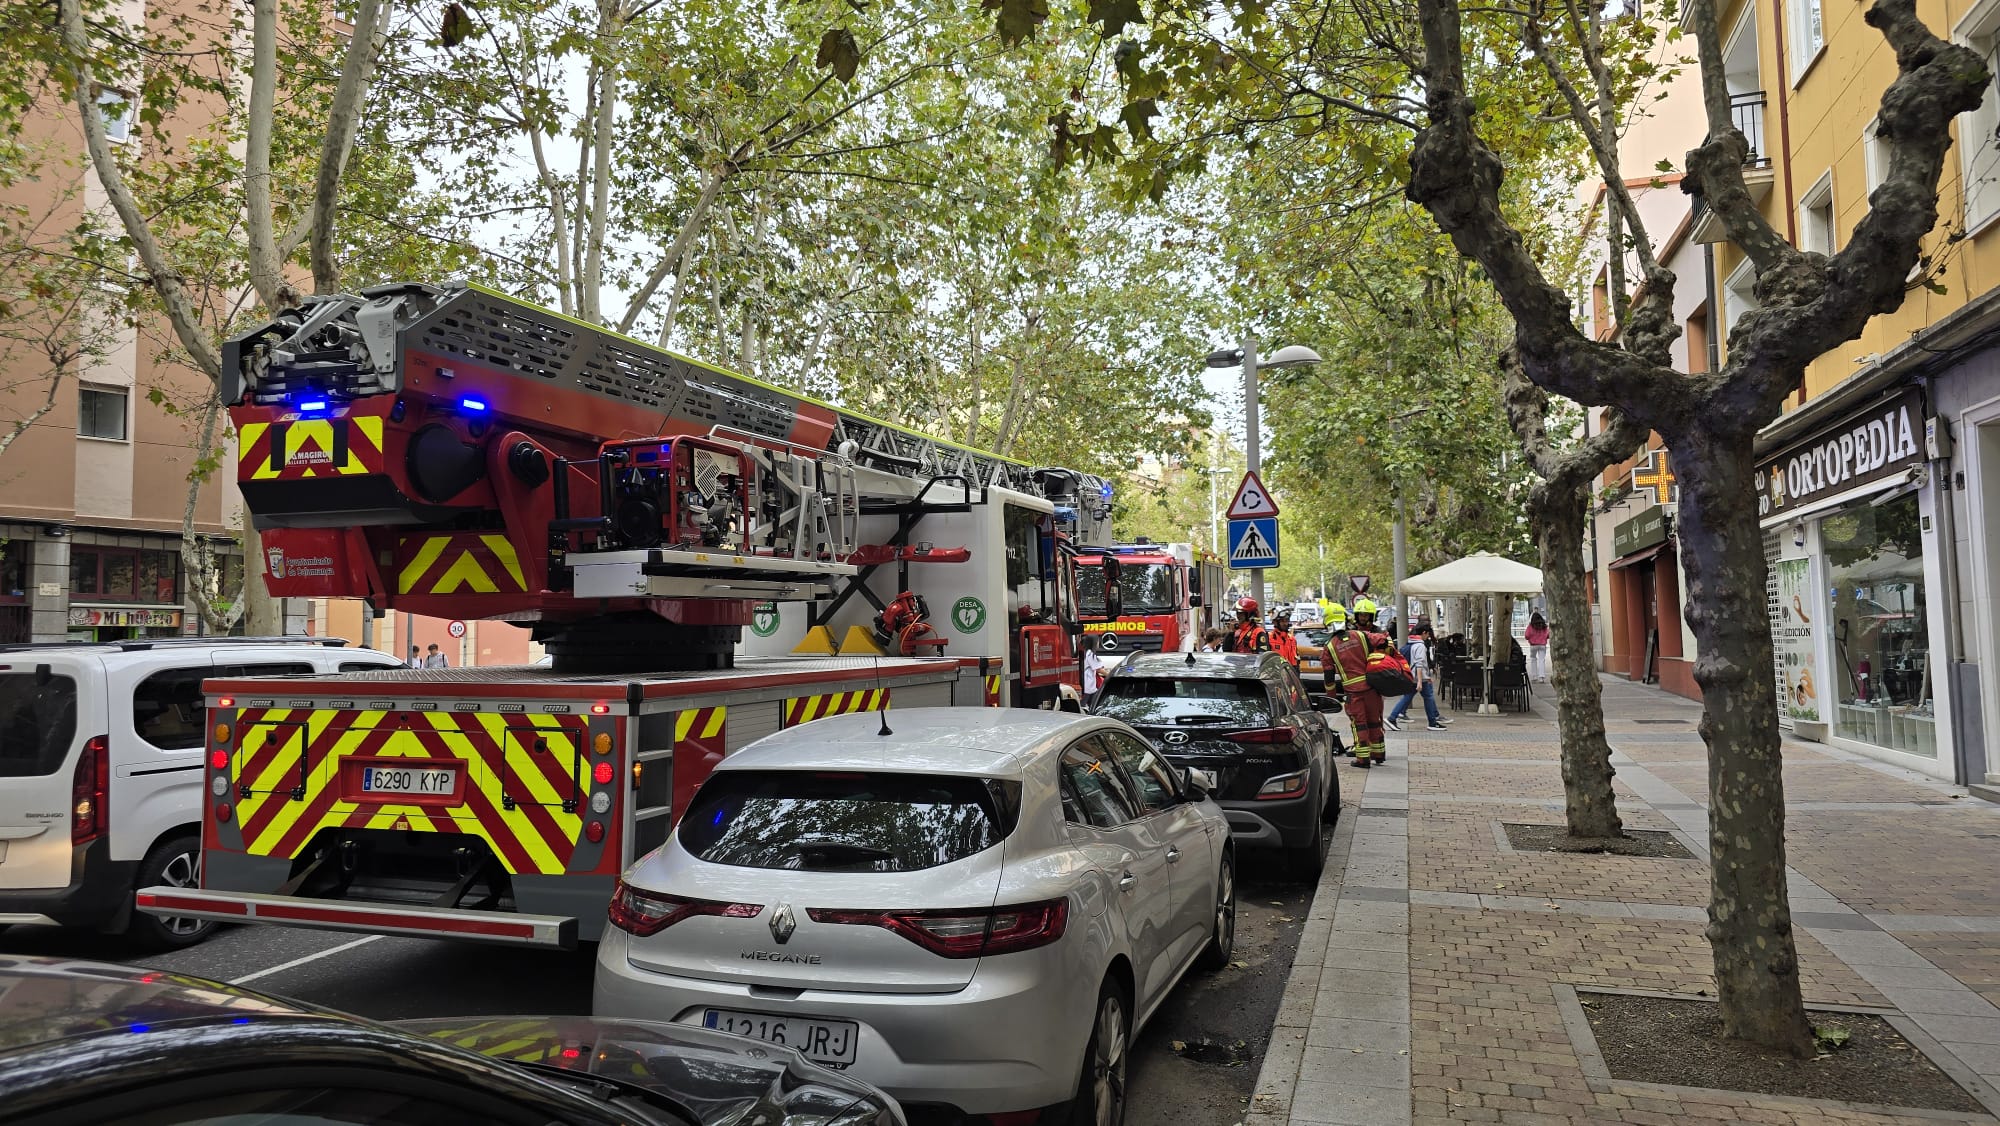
(968, 614)
(764, 619)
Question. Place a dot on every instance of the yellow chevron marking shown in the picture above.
(465, 571)
(406, 581)
(503, 550)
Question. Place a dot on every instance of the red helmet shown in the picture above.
(1247, 606)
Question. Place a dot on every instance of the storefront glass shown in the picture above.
(1881, 642)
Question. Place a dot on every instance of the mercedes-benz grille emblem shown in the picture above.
(1108, 645)
(783, 923)
(1176, 737)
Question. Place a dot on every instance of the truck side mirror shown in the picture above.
(1114, 592)
(1194, 600)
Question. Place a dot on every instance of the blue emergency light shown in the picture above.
(476, 406)
(313, 406)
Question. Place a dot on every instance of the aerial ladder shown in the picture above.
(707, 557)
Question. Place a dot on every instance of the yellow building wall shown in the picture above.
(1826, 115)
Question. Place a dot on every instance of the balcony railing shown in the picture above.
(1747, 111)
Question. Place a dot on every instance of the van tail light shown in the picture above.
(1283, 786)
(90, 791)
(1263, 735)
(964, 934)
(648, 913)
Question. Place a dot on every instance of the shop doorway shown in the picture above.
(1982, 429)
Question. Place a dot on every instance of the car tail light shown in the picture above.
(964, 934)
(647, 913)
(89, 791)
(1263, 735)
(1283, 786)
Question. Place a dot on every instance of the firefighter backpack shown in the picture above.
(1389, 674)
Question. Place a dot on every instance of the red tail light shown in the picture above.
(89, 791)
(964, 934)
(647, 913)
(1263, 735)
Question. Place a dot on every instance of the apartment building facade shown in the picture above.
(1880, 485)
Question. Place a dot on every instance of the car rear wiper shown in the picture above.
(838, 852)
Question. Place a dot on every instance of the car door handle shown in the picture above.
(1173, 855)
(1128, 882)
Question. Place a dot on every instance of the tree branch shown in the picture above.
(267, 270)
(343, 118)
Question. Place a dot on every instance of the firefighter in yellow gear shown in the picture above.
(1364, 705)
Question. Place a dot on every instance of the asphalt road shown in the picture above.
(1194, 1065)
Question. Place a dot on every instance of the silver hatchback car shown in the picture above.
(975, 912)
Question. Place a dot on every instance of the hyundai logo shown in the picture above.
(1175, 737)
(783, 923)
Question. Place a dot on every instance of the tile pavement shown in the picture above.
(1427, 984)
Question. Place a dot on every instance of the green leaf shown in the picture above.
(1830, 1037)
(1016, 20)
(1138, 117)
(1664, 165)
(1115, 14)
(839, 51)
(457, 26)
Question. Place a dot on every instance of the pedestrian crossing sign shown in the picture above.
(1253, 543)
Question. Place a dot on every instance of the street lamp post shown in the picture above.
(1291, 356)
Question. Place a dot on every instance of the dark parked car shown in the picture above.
(1248, 719)
(124, 1046)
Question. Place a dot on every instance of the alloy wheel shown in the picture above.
(182, 870)
(1107, 1065)
(1225, 912)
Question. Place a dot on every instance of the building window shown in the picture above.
(109, 574)
(1979, 131)
(101, 413)
(1816, 216)
(1875, 153)
(115, 108)
(1808, 37)
(1739, 295)
(1701, 344)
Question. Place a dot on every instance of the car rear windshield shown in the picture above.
(37, 723)
(846, 822)
(1163, 700)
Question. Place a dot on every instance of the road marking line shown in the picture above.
(296, 962)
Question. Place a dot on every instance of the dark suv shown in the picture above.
(1246, 718)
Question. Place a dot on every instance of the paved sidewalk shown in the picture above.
(1430, 980)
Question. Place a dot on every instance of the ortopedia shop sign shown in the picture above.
(1877, 443)
(1640, 532)
(82, 616)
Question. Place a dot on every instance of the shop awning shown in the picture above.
(1644, 555)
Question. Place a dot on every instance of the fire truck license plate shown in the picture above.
(821, 1041)
(385, 780)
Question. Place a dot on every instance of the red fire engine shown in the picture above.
(451, 451)
(1166, 593)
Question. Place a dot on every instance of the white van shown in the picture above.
(101, 771)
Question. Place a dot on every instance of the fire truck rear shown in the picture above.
(450, 451)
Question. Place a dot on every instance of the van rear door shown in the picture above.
(50, 705)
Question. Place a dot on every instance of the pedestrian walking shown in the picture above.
(435, 659)
(1093, 676)
(1249, 636)
(1418, 653)
(1537, 634)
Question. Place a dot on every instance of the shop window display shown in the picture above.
(1881, 640)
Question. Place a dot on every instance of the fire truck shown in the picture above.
(451, 451)
(1166, 593)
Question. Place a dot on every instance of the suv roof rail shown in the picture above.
(135, 645)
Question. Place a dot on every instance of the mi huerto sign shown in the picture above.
(1882, 441)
